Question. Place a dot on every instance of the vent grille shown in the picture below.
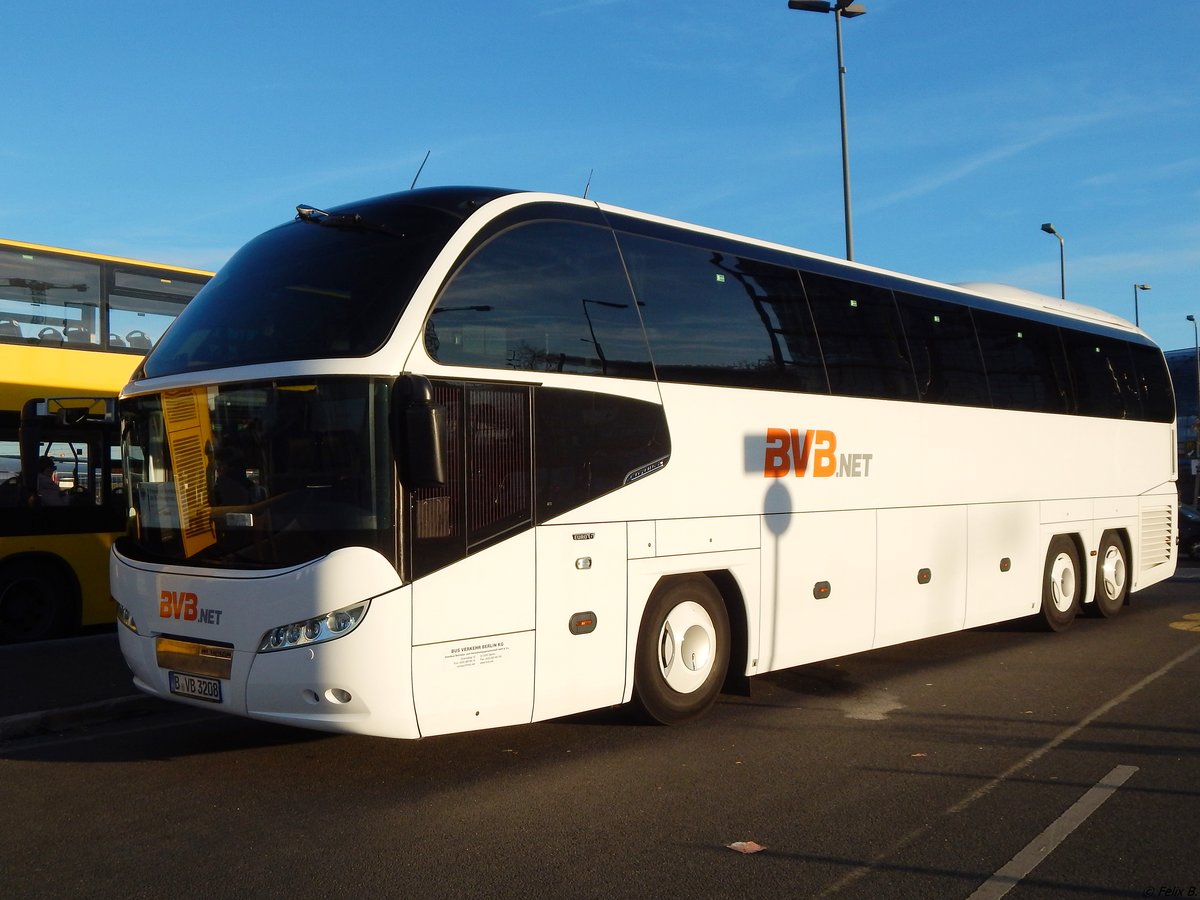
(1158, 538)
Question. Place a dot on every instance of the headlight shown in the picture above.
(125, 617)
(313, 631)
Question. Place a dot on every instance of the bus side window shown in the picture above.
(489, 487)
(861, 338)
(1026, 366)
(717, 316)
(945, 351)
(542, 296)
(1103, 376)
(1153, 383)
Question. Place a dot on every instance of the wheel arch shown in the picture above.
(736, 679)
(62, 568)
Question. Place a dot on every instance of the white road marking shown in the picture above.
(1011, 873)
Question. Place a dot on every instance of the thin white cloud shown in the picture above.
(1037, 132)
(1147, 173)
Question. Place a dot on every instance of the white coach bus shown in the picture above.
(458, 458)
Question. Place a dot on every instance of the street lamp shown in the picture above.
(839, 8)
(1196, 424)
(1062, 256)
(1136, 315)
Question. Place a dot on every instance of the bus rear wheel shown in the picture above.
(1112, 577)
(683, 650)
(36, 602)
(1061, 584)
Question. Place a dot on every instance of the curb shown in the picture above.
(55, 720)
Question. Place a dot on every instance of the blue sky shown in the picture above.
(175, 132)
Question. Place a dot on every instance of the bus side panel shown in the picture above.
(478, 683)
(1004, 563)
(581, 618)
(921, 573)
(818, 573)
(489, 592)
(473, 640)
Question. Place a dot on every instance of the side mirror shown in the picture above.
(419, 433)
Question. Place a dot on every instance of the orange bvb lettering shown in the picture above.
(824, 461)
(777, 461)
(178, 605)
(789, 451)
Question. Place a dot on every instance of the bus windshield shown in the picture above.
(318, 287)
(258, 475)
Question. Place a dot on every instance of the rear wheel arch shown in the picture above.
(40, 597)
(736, 680)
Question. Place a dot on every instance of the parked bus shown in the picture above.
(72, 325)
(458, 458)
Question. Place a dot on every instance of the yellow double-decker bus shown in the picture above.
(72, 327)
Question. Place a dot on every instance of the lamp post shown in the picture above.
(850, 10)
(1136, 315)
(1196, 424)
(1062, 257)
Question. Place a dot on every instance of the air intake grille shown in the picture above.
(1158, 538)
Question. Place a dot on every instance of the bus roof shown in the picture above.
(104, 257)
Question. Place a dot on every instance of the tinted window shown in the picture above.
(260, 474)
(945, 351)
(142, 304)
(1025, 363)
(590, 444)
(861, 338)
(48, 299)
(545, 297)
(1154, 383)
(715, 317)
(1102, 376)
(305, 291)
(488, 491)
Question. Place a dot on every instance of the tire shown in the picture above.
(1112, 577)
(1061, 584)
(683, 650)
(36, 602)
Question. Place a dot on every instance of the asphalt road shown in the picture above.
(996, 759)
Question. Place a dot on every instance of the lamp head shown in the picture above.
(1048, 228)
(1191, 319)
(1142, 287)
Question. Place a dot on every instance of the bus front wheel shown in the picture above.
(1061, 584)
(682, 651)
(35, 602)
(1112, 576)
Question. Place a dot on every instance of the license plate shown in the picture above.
(194, 686)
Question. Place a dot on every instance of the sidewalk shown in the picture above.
(52, 685)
